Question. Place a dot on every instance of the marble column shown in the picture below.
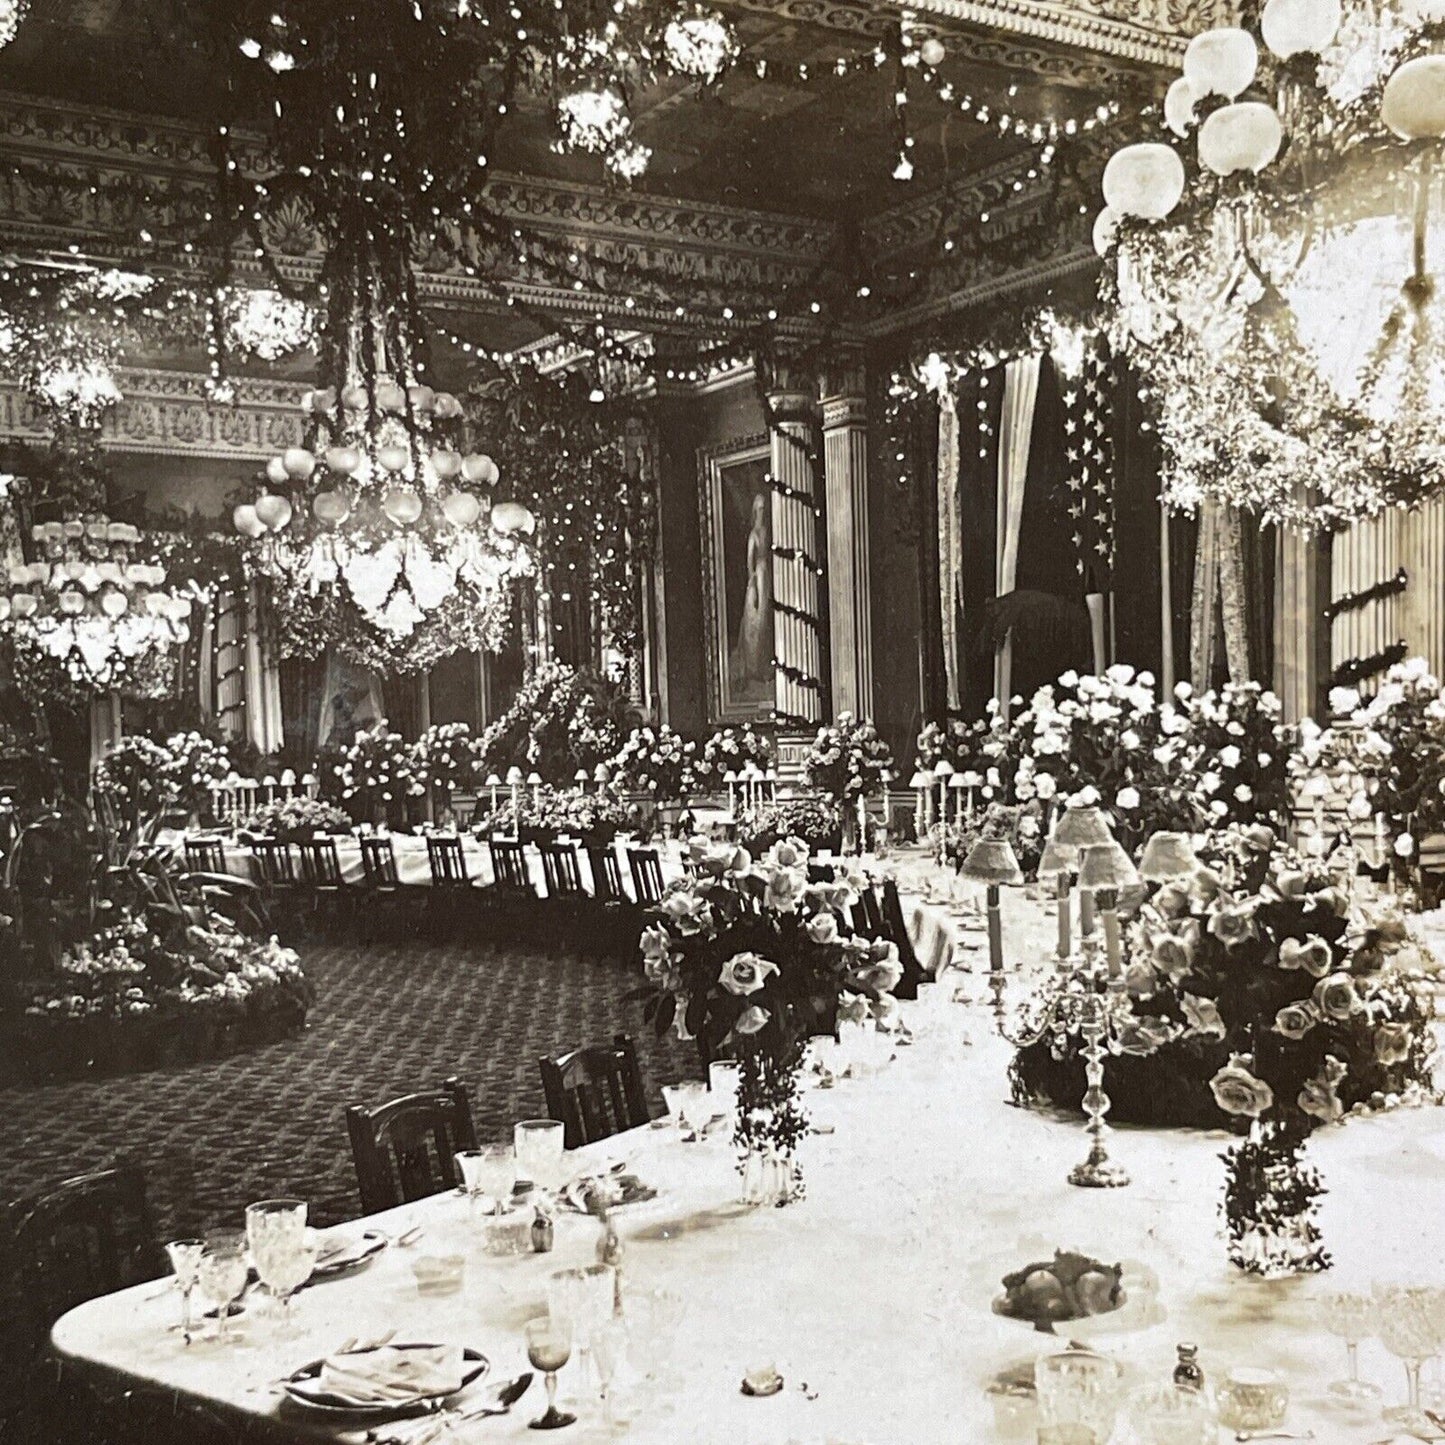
(845, 466)
(797, 614)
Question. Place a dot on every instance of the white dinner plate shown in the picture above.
(303, 1389)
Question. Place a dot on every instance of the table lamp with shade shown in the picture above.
(921, 783)
(956, 785)
(1083, 825)
(972, 782)
(1317, 788)
(943, 771)
(1105, 869)
(1060, 861)
(991, 861)
(1167, 857)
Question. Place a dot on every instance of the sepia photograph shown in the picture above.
(722, 722)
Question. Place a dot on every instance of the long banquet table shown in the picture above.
(872, 1293)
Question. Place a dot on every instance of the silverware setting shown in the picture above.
(1274, 1434)
(439, 1420)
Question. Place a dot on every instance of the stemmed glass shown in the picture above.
(1351, 1317)
(654, 1318)
(1408, 1329)
(549, 1347)
(490, 1172)
(222, 1277)
(185, 1257)
(723, 1079)
(276, 1232)
(607, 1346)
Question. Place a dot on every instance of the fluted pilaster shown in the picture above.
(845, 465)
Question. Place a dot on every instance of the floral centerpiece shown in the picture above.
(377, 774)
(596, 817)
(294, 818)
(848, 760)
(656, 761)
(1236, 759)
(1256, 998)
(752, 959)
(818, 822)
(444, 760)
(730, 750)
(197, 765)
(555, 726)
(134, 779)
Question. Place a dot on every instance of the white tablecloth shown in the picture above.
(871, 1294)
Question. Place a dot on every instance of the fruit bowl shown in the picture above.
(1062, 1290)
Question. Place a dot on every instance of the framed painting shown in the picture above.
(737, 550)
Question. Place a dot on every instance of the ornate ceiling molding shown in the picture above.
(166, 413)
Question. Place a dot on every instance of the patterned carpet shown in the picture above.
(389, 1019)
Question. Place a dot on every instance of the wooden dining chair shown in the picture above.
(404, 1149)
(606, 874)
(596, 1092)
(273, 864)
(447, 861)
(88, 1236)
(378, 865)
(561, 869)
(646, 869)
(896, 928)
(321, 878)
(386, 896)
(205, 855)
(509, 866)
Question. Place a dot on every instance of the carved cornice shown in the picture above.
(166, 413)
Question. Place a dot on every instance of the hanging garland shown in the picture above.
(1353, 601)
(1358, 669)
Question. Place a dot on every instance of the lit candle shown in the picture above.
(534, 781)
(731, 779)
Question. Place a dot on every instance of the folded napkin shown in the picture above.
(393, 1375)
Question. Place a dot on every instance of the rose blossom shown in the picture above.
(1335, 996)
(1392, 1043)
(752, 1020)
(746, 973)
(1202, 1015)
(1140, 979)
(654, 942)
(787, 853)
(686, 910)
(1145, 1035)
(1318, 1097)
(1232, 926)
(785, 889)
(1127, 799)
(1295, 1020)
(882, 970)
(823, 928)
(1313, 955)
(1237, 1091)
(1172, 899)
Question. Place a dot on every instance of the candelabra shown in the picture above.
(1084, 1001)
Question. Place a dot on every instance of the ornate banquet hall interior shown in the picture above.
(721, 722)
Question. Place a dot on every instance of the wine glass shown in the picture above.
(489, 1172)
(654, 1318)
(608, 1343)
(276, 1234)
(185, 1257)
(723, 1079)
(222, 1277)
(549, 1347)
(1351, 1316)
(1408, 1329)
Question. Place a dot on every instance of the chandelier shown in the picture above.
(384, 505)
(1271, 273)
(90, 606)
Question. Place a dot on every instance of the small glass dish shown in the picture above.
(439, 1274)
(507, 1234)
(1253, 1399)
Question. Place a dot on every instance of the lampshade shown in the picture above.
(922, 779)
(1082, 825)
(1105, 865)
(942, 770)
(973, 780)
(992, 860)
(1316, 786)
(1166, 856)
(957, 782)
(1058, 858)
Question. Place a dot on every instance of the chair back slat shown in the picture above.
(205, 855)
(509, 864)
(272, 859)
(320, 866)
(561, 870)
(606, 874)
(89, 1236)
(896, 928)
(596, 1092)
(447, 862)
(378, 863)
(646, 870)
(404, 1150)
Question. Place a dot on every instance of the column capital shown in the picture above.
(845, 410)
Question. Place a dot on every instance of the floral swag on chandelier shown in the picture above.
(1272, 283)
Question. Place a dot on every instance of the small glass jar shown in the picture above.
(1253, 1399)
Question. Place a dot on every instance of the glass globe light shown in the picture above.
(1106, 230)
(1245, 136)
(1179, 102)
(1413, 105)
(1221, 62)
(1144, 181)
(1300, 27)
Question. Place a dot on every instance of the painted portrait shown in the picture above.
(737, 545)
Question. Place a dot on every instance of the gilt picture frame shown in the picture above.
(736, 528)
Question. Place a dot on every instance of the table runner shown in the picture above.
(872, 1293)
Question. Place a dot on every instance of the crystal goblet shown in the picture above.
(185, 1258)
(222, 1277)
(1350, 1316)
(1409, 1330)
(549, 1347)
